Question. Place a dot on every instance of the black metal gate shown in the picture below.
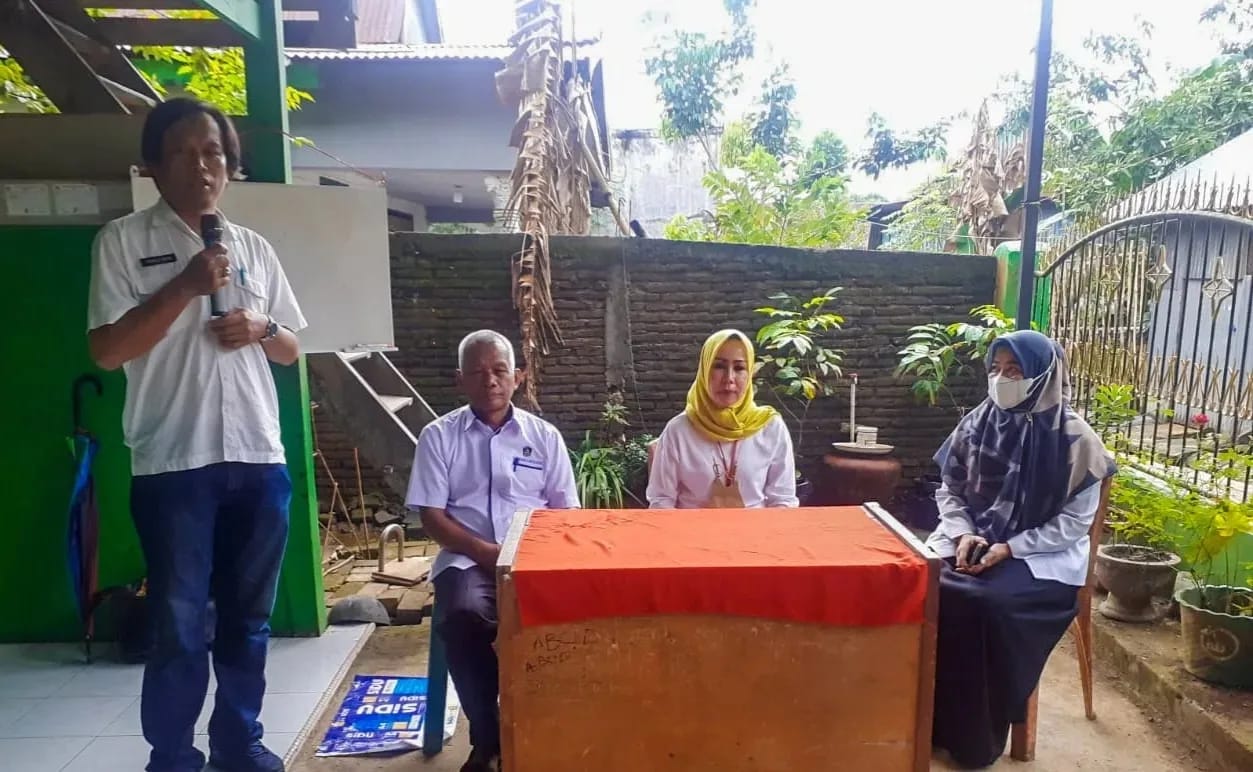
(1154, 310)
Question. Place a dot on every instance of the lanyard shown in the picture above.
(729, 478)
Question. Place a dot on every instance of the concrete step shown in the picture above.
(395, 404)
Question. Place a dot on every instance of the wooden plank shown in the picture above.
(927, 639)
(32, 38)
(508, 641)
(406, 573)
(509, 631)
(114, 68)
(243, 16)
(131, 99)
(193, 33)
(140, 5)
(567, 689)
(509, 549)
(783, 695)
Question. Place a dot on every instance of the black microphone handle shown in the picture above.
(211, 234)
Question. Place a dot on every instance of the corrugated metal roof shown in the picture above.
(400, 51)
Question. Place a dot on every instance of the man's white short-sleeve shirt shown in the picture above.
(189, 402)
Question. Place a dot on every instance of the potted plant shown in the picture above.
(794, 364)
(936, 353)
(1138, 567)
(611, 468)
(1215, 613)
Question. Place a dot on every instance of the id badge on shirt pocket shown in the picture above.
(520, 463)
(154, 273)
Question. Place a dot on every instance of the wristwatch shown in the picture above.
(271, 329)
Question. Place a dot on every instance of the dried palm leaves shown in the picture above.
(989, 171)
(558, 158)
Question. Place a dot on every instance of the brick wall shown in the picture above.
(336, 448)
(665, 297)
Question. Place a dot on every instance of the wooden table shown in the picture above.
(716, 640)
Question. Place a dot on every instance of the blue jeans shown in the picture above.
(219, 531)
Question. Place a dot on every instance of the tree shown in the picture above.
(773, 124)
(216, 76)
(761, 199)
(16, 90)
(827, 156)
(889, 150)
(767, 187)
(1108, 134)
(929, 219)
(696, 74)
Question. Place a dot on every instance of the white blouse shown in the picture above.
(683, 468)
(1056, 550)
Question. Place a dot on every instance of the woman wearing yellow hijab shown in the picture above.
(724, 450)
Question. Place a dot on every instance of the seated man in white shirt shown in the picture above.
(473, 469)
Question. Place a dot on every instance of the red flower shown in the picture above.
(1200, 419)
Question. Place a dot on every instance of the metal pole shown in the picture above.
(1035, 164)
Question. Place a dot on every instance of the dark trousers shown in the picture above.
(995, 635)
(466, 599)
(216, 532)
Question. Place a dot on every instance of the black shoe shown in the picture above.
(258, 759)
(482, 761)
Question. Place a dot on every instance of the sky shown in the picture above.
(912, 61)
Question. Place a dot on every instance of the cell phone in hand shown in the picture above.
(976, 553)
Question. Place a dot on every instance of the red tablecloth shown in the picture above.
(832, 566)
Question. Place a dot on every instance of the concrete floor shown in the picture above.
(1122, 739)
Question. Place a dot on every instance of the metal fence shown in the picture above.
(1154, 307)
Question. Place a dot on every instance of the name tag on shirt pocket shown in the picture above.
(149, 262)
(154, 273)
(527, 463)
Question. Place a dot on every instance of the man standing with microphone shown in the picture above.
(195, 309)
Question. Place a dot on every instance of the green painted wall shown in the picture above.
(44, 348)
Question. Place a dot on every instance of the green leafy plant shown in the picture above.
(761, 199)
(936, 353)
(1114, 405)
(1168, 515)
(599, 475)
(892, 150)
(793, 361)
(1141, 510)
(696, 74)
(1206, 534)
(611, 467)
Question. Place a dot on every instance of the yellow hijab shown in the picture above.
(738, 422)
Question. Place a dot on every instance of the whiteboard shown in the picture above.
(333, 245)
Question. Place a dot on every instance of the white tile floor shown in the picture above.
(58, 714)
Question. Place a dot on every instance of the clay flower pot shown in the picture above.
(1134, 576)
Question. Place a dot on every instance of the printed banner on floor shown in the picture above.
(384, 714)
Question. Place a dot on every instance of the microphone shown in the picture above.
(211, 234)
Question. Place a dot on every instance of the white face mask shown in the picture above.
(1008, 394)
